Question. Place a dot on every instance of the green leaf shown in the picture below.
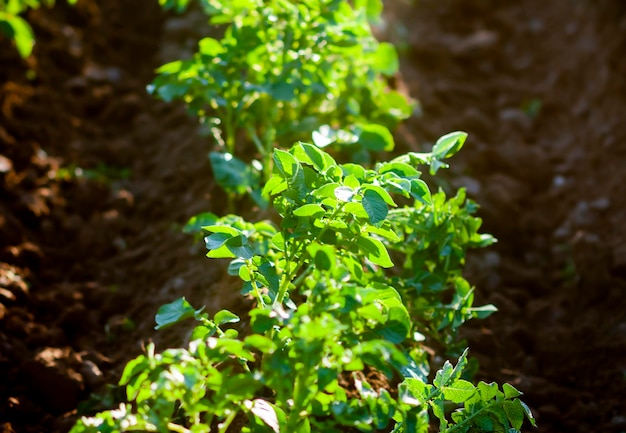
(374, 137)
(373, 8)
(395, 331)
(413, 392)
(282, 91)
(286, 163)
(309, 210)
(216, 240)
(449, 144)
(275, 185)
(260, 343)
(375, 206)
(400, 168)
(271, 415)
(515, 413)
(528, 413)
(18, 29)
(443, 375)
(355, 209)
(376, 251)
(238, 245)
(487, 390)
(231, 173)
(211, 47)
(483, 311)
(420, 191)
(310, 154)
(510, 391)
(196, 223)
(484, 423)
(459, 391)
(225, 316)
(386, 59)
(175, 312)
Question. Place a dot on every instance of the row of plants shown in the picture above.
(357, 274)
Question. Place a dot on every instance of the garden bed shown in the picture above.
(98, 178)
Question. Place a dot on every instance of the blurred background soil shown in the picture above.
(97, 179)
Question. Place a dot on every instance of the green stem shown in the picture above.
(288, 276)
(177, 428)
(227, 422)
(300, 393)
(471, 417)
(255, 289)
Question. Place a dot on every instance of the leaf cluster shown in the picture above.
(282, 71)
(17, 28)
(331, 304)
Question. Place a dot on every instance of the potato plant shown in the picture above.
(281, 72)
(17, 28)
(341, 289)
(359, 272)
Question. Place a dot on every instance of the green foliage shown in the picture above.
(343, 287)
(282, 71)
(15, 27)
(361, 270)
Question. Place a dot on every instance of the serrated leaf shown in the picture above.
(459, 391)
(225, 316)
(174, 312)
(375, 206)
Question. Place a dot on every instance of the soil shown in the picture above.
(97, 178)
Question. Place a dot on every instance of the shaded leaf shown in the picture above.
(375, 206)
(174, 312)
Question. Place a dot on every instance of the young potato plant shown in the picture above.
(345, 289)
(17, 28)
(282, 71)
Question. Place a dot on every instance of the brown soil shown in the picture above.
(86, 257)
